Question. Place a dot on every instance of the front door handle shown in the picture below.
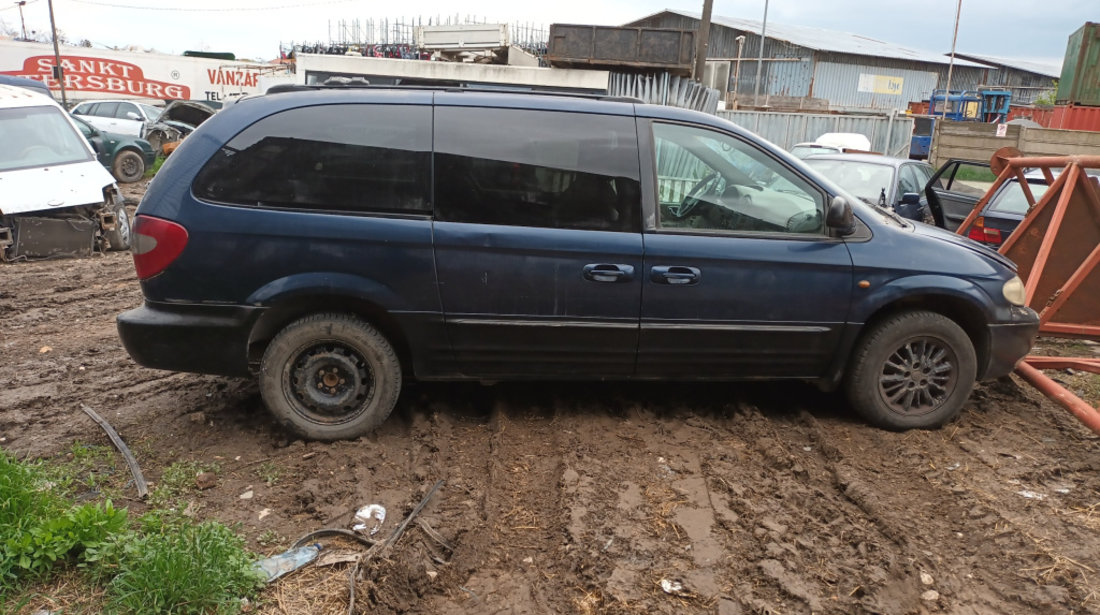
(607, 272)
(675, 275)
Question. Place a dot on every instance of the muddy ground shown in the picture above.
(585, 498)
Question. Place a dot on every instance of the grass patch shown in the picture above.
(178, 479)
(157, 164)
(85, 471)
(162, 564)
(39, 529)
(975, 173)
(172, 566)
(269, 472)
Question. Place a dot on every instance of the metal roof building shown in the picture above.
(816, 69)
(1026, 79)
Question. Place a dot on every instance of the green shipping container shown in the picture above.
(1080, 82)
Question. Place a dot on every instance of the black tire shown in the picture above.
(122, 235)
(128, 167)
(914, 370)
(330, 377)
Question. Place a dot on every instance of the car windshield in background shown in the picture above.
(863, 179)
(1012, 200)
(153, 113)
(38, 136)
(801, 151)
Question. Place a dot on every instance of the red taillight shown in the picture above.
(156, 244)
(980, 232)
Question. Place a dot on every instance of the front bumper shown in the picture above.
(1009, 342)
(206, 339)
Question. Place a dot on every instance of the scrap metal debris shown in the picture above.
(135, 470)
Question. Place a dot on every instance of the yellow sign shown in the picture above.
(880, 84)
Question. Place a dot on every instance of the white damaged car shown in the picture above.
(56, 199)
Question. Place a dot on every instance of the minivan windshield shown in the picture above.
(38, 136)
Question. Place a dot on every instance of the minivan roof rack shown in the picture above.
(361, 84)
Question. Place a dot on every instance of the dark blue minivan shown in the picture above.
(340, 241)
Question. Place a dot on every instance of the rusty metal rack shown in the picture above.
(1057, 250)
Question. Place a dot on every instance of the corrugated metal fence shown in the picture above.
(888, 135)
(664, 89)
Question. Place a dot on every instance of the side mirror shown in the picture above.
(133, 116)
(838, 216)
(910, 198)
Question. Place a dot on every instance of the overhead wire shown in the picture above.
(15, 5)
(181, 9)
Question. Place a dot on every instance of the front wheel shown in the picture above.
(119, 238)
(912, 370)
(330, 377)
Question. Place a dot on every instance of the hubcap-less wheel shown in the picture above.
(129, 166)
(918, 376)
(332, 383)
(330, 377)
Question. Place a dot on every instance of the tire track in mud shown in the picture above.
(500, 507)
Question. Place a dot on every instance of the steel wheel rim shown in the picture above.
(129, 166)
(329, 382)
(918, 376)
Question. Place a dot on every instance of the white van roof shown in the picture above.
(13, 96)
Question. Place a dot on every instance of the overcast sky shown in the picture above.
(255, 28)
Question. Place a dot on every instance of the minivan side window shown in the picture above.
(537, 168)
(340, 158)
(711, 181)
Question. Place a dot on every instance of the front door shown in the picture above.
(955, 189)
(538, 240)
(741, 276)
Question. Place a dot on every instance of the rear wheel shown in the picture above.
(330, 377)
(912, 370)
(128, 167)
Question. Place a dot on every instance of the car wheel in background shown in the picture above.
(330, 377)
(912, 370)
(128, 167)
(120, 237)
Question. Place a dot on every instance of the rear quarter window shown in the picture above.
(549, 169)
(357, 158)
(1011, 199)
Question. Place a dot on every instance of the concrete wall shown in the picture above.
(977, 141)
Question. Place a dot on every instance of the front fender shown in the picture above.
(867, 302)
(327, 283)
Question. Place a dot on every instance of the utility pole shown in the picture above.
(737, 72)
(59, 71)
(22, 23)
(951, 62)
(702, 41)
(760, 59)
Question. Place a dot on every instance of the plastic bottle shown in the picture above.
(273, 567)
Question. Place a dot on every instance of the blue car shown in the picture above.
(337, 242)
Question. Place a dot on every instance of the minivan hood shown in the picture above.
(53, 187)
(936, 232)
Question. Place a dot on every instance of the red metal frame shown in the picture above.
(1057, 250)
